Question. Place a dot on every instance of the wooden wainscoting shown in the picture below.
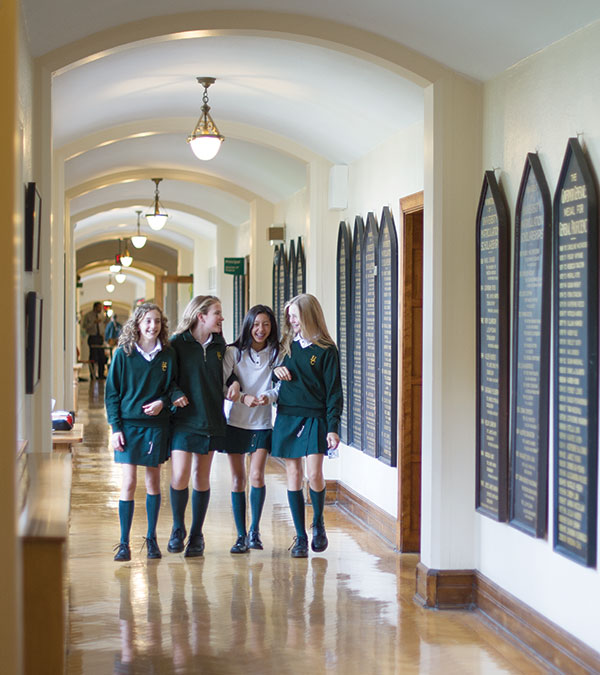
(555, 648)
(367, 513)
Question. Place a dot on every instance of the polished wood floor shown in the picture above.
(349, 610)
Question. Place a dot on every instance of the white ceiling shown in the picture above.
(123, 117)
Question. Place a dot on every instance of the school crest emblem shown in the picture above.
(313, 360)
(163, 365)
(219, 356)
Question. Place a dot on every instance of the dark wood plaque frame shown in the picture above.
(503, 272)
(292, 271)
(344, 251)
(274, 282)
(533, 167)
(282, 284)
(371, 232)
(300, 267)
(575, 152)
(387, 228)
(355, 397)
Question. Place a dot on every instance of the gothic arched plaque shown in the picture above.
(343, 287)
(387, 344)
(370, 332)
(493, 269)
(575, 239)
(355, 396)
(531, 352)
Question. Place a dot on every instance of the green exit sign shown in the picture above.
(235, 266)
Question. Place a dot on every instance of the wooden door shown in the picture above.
(408, 535)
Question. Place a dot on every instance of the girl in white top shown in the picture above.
(251, 358)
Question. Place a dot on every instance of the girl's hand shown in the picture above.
(153, 408)
(333, 440)
(263, 399)
(181, 402)
(249, 400)
(117, 440)
(282, 373)
(233, 393)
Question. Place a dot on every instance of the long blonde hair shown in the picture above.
(201, 304)
(312, 323)
(131, 330)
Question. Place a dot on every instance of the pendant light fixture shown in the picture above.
(126, 258)
(110, 287)
(156, 218)
(120, 277)
(116, 266)
(138, 240)
(205, 140)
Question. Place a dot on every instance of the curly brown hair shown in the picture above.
(131, 332)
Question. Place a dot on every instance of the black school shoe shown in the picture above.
(123, 553)
(152, 546)
(195, 546)
(241, 545)
(319, 541)
(299, 547)
(176, 542)
(254, 540)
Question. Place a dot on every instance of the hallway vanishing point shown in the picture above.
(349, 610)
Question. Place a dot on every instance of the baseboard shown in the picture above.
(365, 512)
(555, 648)
(444, 589)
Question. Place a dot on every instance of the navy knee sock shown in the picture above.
(257, 500)
(200, 501)
(125, 518)
(296, 502)
(152, 509)
(238, 503)
(179, 500)
(318, 503)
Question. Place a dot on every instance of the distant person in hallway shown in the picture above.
(199, 428)
(308, 412)
(139, 391)
(94, 324)
(249, 427)
(113, 330)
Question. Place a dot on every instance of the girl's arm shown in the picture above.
(231, 383)
(332, 381)
(112, 391)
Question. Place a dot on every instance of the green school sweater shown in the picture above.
(132, 382)
(200, 376)
(315, 389)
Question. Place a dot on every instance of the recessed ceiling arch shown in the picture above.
(167, 174)
(132, 205)
(183, 125)
(363, 44)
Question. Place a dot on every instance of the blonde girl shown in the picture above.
(308, 412)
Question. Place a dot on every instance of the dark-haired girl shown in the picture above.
(139, 390)
(308, 412)
(251, 358)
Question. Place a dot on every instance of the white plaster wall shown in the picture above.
(24, 281)
(379, 179)
(538, 105)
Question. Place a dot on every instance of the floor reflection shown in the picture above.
(349, 610)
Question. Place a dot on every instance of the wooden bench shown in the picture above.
(43, 529)
(63, 440)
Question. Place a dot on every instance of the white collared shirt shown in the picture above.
(303, 342)
(151, 354)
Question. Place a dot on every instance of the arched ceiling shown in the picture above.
(122, 116)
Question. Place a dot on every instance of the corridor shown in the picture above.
(349, 610)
